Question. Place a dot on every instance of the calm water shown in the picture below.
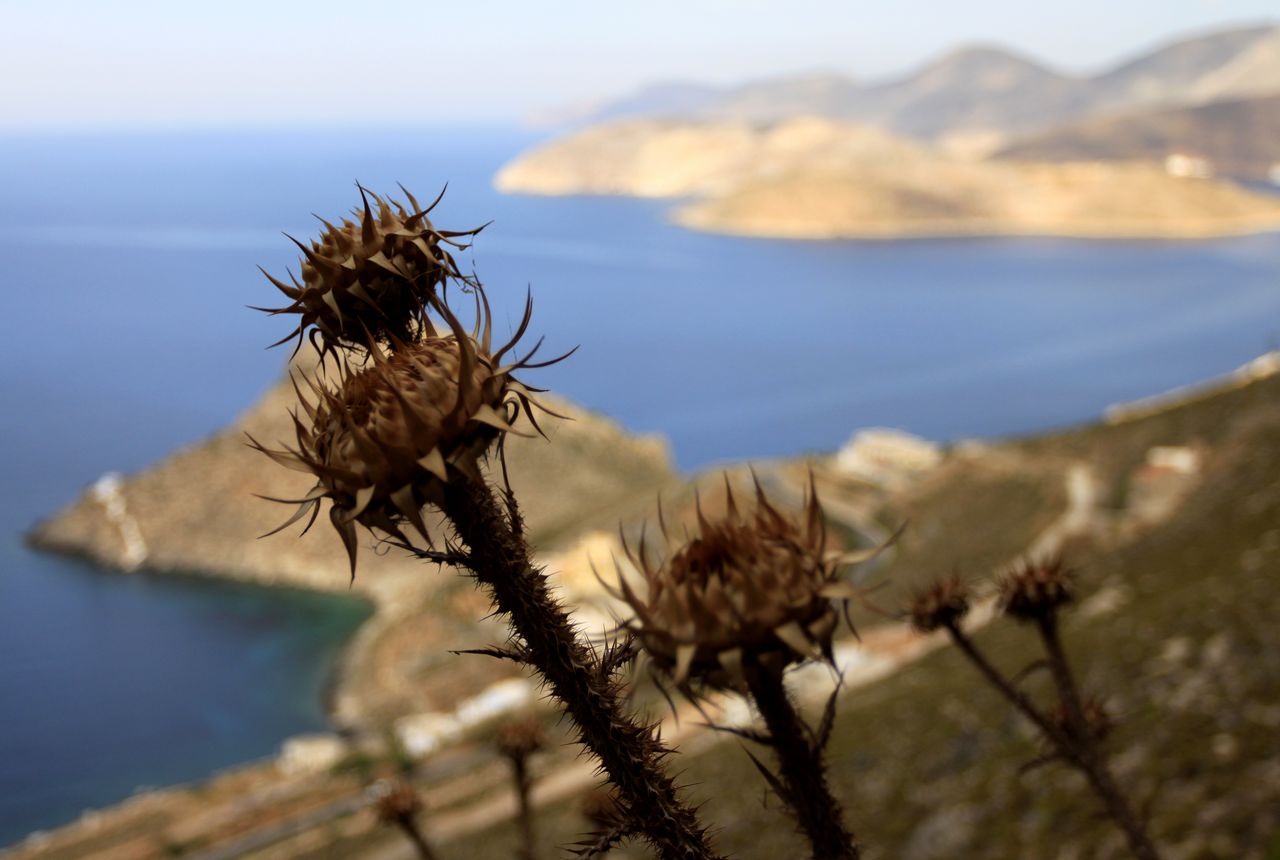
(125, 265)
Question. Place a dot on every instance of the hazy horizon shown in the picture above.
(138, 65)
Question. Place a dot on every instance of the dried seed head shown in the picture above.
(940, 605)
(520, 738)
(756, 587)
(385, 440)
(372, 281)
(1034, 590)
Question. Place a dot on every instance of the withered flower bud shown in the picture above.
(1034, 590)
(520, 738)
(385, 440)
(758, 586)
(373, 281)
(940, 605)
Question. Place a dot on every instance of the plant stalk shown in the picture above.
(520, 773)
(629, 752)
(1077, 745)
(1089, 755)
(803, 773)
(410, 829)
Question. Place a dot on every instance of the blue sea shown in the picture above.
(126, 263)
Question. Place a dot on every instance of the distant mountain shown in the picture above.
(676, 98)
(976, 88)
(1190, 70)
(984, 90)
(1239, 138)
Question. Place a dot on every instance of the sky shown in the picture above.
(93, 64)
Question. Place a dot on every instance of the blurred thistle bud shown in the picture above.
(1036, 590)
(384, 442)
(373, 281)
(757, 587)
(520, 738)
(942, 604)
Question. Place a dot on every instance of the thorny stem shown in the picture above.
(1089, 755)
(629, 751)
(1075, 745)
(603, 843)
(803, 773)
(520, 772)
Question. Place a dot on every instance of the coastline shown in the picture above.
(916, 231)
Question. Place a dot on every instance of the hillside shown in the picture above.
(816, 178)
(957, 199)
(1239, 138)
(667, 158)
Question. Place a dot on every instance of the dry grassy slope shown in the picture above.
(938, 198)
(1187, 655)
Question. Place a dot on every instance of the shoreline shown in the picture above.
(681, 212)
(898, 233)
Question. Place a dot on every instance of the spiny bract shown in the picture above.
(757, 587)
(373, 281)
(383, 442)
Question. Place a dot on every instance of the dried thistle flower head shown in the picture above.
(756, 587)
(395, 800)
(1098, 722)
(520, 738)
(942, 604)
(385, 440)
(1035, 590)
(372, 281)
